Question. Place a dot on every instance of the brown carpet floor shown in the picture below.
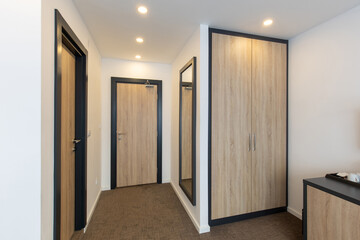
(155, 212)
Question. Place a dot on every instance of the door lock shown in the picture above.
(119, 135)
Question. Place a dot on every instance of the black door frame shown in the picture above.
(114, 82)
(65, 36)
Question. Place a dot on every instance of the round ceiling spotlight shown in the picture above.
(142, 9)
(139, 40)
(138, 57)
(268, 22)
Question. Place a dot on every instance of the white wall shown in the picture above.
(198, 213)
(71, 15)
(143, 70)
(324, 102)
(20, 126)
(203, 119)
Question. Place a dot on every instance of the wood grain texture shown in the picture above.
(330, 217)
(67, 215)
(186, 134)
(269, 64)
(230, 126)
(137, 122)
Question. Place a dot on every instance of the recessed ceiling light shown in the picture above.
(139, 40)
(268, 22)
(137, 56)
(142, 10)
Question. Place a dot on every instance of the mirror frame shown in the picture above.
(191, 196)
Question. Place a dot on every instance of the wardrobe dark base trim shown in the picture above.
(114, 81)
(241, 217)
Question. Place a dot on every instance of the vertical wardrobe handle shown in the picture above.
(254, 142)
(249, 142)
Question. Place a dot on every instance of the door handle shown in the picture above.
(119, 135)
(249, 142)
(75, 141)
(254, 142)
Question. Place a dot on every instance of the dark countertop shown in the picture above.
(339, 189)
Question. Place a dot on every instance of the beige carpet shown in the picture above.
(154, 212)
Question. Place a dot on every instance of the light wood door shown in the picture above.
(67, 214)
(230, 126)
(269, 63)
(136, 134)
(186, 133)
(330, 217)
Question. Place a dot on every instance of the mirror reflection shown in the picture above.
(187, 130)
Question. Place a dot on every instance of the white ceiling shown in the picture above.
(114, 24)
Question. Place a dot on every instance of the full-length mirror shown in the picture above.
(187, 141)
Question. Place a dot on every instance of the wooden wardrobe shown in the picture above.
(248, 126)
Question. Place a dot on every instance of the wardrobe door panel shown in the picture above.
(269, 68)
(230, 126)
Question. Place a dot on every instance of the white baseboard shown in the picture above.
(294, 212)
(105, 188)
(204, 229)
(166, 181)
(200, 229)
(92, 211)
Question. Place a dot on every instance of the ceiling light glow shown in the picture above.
(139, 40)
(142, 10)
(268, 22)
(138, 57)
